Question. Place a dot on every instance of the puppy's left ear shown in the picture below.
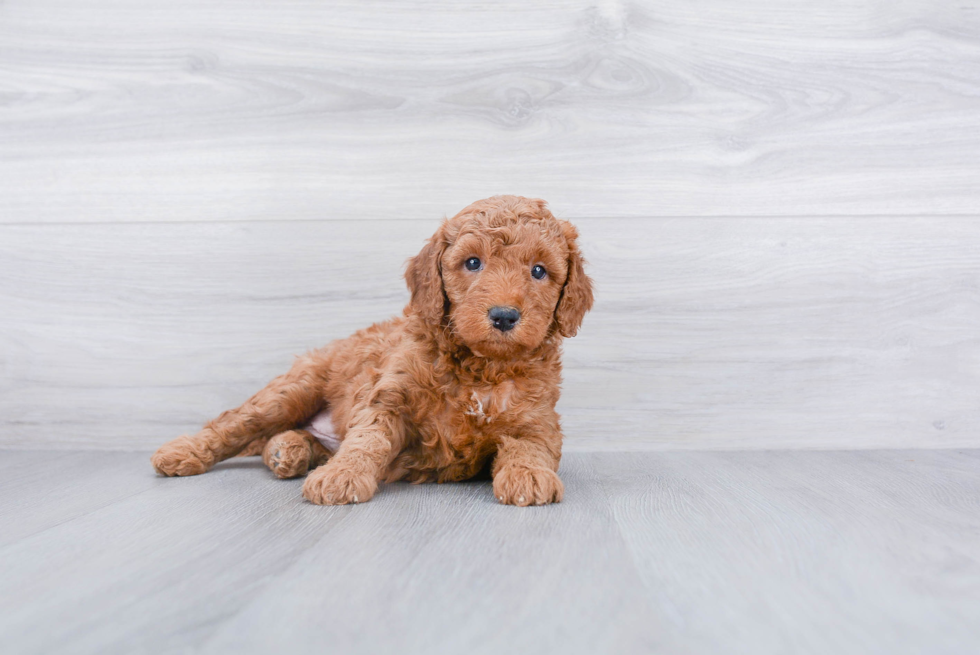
(424, 279)
(576, 295)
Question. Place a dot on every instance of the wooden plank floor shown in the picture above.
(202, 110)
(673, 552)
(719, 333)
(779, 203)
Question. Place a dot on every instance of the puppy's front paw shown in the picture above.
(339, 483)
(522, 485)
(182, 456)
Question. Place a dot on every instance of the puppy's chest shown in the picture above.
(485, 404)
(473, 411)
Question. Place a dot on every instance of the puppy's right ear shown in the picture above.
(424, 279)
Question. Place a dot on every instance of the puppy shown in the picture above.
(467, 378)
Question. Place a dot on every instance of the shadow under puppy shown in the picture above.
(470, 372)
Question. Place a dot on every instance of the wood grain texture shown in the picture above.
(806, 552)
(707, 333)
(684, 552)
(445, 568)
(120, 110)
(43, 489)
(155, 569)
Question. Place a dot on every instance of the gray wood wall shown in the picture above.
(780, 202)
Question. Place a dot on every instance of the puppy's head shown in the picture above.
(504, 274)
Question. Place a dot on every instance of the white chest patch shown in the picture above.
(479, 404)
(321, 427)
(487, 403)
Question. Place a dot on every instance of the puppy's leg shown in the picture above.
(293, 453)
(286, 402)
(254, 448)
(374, 438)
(525, 469)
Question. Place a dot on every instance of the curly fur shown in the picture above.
(437, 394)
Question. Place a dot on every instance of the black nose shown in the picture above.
(504, 318)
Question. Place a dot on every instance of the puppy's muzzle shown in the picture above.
(504, 318)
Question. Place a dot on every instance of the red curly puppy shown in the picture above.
(469, 373)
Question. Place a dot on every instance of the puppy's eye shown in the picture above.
(538, 272)
(473, 264)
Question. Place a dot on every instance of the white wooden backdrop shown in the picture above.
(780, 202)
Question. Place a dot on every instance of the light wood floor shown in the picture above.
(209, 110)
(780, 206)
(707, 333)
(680, 552)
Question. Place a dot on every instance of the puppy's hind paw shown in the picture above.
(182, 456)
(288, 455)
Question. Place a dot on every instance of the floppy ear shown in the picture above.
(576, 295)
(424, 279)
